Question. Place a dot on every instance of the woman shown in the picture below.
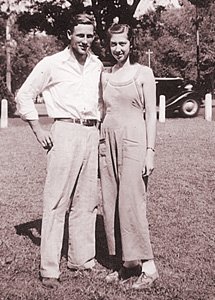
(127, 158)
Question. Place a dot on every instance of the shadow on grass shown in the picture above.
(32, 230)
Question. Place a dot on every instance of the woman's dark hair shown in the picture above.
(122, 28)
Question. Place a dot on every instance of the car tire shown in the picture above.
(189, 108)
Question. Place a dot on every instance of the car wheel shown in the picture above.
(189, 108)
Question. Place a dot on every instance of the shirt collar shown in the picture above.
(68, 54)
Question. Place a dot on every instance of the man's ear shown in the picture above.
(68, 33)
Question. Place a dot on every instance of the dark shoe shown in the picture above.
(123, 274)
(51, 283)
(145, 281)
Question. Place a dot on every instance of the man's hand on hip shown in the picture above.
(44, 137)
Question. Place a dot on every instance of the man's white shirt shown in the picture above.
(69, 91)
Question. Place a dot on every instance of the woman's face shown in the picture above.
(120, 46)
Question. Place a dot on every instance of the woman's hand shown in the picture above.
(149, 162)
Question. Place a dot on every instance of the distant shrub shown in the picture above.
(6, 94)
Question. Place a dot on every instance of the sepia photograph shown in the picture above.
(107, 161)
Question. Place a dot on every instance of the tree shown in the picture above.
(32, 47)
(207, 46)
(9, 11)
(173, 43)
(23, 50)
(204, 23)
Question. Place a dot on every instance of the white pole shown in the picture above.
(4, 113)
(149, 52)
(208, 107)
(162, 109)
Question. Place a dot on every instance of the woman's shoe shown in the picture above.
(145, 280)
(112, 277)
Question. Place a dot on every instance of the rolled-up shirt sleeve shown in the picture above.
(35, 83)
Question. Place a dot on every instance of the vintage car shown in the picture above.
(181, 97)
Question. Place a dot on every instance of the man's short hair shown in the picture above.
(82, 18)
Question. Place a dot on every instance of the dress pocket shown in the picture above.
(132, 149)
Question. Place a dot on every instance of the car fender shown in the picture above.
(175, 101)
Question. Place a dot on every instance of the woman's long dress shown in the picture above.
(122, 156)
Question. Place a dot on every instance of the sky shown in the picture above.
(146, 5)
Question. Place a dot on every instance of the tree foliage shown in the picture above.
(50, 16)
(53, 16)
(106, 11)
(174, 47)
(30, 48)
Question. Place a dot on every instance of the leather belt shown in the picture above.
(84, 122)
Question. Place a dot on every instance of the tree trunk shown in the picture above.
(8, 57)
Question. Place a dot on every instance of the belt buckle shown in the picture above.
(85, 122)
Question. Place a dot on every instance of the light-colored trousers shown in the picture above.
(122, 157)
(71, 185)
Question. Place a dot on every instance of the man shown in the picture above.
(69, 81)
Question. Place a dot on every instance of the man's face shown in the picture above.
(81, 39)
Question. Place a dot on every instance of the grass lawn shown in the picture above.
(180, 212)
